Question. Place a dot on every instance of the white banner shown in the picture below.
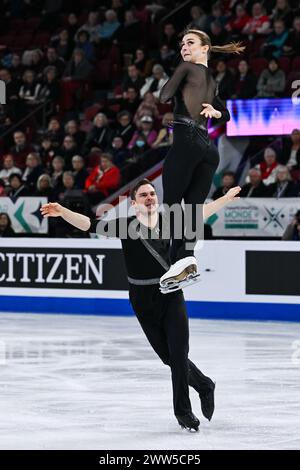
(251, 217)
(25, 214)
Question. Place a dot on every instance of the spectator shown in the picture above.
(18, 189)
(256, 187)
(21, 149)
(268, 166)
(44, 188)
(53, 60)
(92, 26)
(63, 44)
(8, 169)
(46, 151)
(68, 150)
(78, 68)
(129, 33)
(271, 82)
(11, 86)
(292, 231)
(144, 137)
(155, 83)
(85, 45)
(130, 100)
(259, 22)
(124, 127)
(217, 15)
(282, 12)
(16, 68)
(245, 82)
(228, 181)
(165, 135)
(237, 22)
(133, 78)
(118, 151)
(199, 18)
(165, 58)
(100, 135)
(30, 88)
(218, 35)
(33, 60)
(72, 129)
(283, 186)
(143, 64)
(6, 229)
(73, 24)
(55, 132)
(32, 171)
(2, 188)
(224, 80)
(103, 180)
(80, 173)
(68, 182)
(275, 41)
(56, 173)
(291, 151)
(147, 107)
(169, 37)
(292, 44)
(109, 27)
(49, 86)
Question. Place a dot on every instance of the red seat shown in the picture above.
(32, 24)
(258, 64)
(7, 40)
(41, 40)
(16, 25)
(296, 64)
(285, 64)
(23, 41)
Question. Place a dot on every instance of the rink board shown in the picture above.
(247, 280)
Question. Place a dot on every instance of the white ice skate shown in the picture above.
(181, 274)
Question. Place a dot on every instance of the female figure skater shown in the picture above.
(193, 159)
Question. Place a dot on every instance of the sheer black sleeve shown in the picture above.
(220, 106)
(170, 88)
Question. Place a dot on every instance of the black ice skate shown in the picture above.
(207, 400)
(188, 421)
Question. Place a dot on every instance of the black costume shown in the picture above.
(163, 318)
(193, 159)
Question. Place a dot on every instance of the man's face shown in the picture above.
(256, 9)
(228, 181)
(255, 177)
(131, 94)
(269, 157)
(15, 183)
(278, 27)
(51, 55)
(132, 71)
(3, 222)
(68, 142)
(8, 162)
(243, 66)
(283, 175)
(169, 30)
(19, 138)
(146, 201)
(68, 181)
(77, 164)
(5, 75)
(117, 143)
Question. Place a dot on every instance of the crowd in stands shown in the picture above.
(82, 113)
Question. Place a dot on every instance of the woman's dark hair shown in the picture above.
(15, 175)
(140, 183)
(7, 217)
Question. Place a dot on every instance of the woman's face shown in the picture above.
(139, 54)
(57, 164)
(54, 125)
(100, 121)
(3, 221)
(243, 66)
(28, 77)
(44, 183)
(273, 66)
(192, 50)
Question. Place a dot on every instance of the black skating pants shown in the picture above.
(188, 172)
(164, 321)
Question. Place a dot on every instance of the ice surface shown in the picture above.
(87, 382)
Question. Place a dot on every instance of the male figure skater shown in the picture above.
(162, 317)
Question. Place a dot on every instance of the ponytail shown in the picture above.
(230, 48)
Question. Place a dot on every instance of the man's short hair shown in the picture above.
(140, 183)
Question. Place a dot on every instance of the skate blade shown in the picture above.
(188, 271)
(184, 428)
(193, 279)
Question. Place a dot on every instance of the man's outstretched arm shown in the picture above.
(215, 206)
